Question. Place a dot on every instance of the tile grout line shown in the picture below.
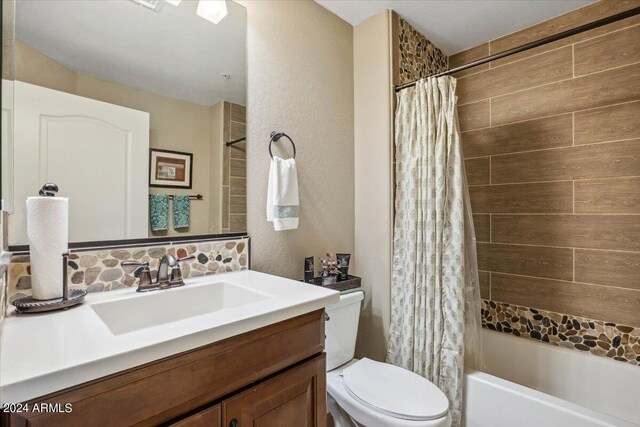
(563, 247)
(574, 264)
(572, 44)
(603, 178)
(552, 83)
(614, 104)
(573, 60)
(566, 147)
(566, 281)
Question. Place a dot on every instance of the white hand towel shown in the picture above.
(282, 194)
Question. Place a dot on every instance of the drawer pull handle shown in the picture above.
(234, 423)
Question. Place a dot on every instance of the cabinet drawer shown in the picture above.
(166, 389)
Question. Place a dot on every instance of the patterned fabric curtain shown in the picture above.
(435, 301)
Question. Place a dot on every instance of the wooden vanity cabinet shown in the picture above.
(273, 376)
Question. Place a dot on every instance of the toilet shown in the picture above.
(369, 393)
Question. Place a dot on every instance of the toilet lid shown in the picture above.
(394, 391)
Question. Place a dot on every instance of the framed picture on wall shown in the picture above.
(170, 169)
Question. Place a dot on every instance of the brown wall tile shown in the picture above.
(552, 263)
(225, 166)
(238, 223)
(548, 197)
(550, 132)
(477, 171)
(469, 55)
(612, 123)
(615, 159)
(474, 116)
(238, 205)
(593, 301)
(485, 285)
(238, 113)
(238, 151)
(225, 207)
(618, 195)
(238, 186)
(594, 90)
(565, 22)
(481, 224)
(543, 69)
(597, 55)
(620, 269)
(238, 168)
(563, 145)
(616, 232)
(238, 130)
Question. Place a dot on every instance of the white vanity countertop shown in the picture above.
(44, 353)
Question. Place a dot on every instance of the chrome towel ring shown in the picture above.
(275, 137)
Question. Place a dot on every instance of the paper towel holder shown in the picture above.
(70, 297)
(49, 189)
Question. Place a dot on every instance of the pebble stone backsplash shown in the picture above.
(98, 270)
(605, 339)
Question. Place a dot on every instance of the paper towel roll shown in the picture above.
(48, 234)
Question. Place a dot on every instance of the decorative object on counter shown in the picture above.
(99, 269)
(70, 297)
(181, 210)
(47, 233)
(159, 211)
(170, 169)
(309, 269)
(351, 282)
(282, 191)
(343, 264)
(329, 270)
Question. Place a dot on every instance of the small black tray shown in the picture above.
(351, 282)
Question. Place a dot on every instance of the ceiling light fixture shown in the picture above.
(212, 10)
(173, 2)
(155, 5)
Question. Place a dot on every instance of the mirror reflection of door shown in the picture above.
(91, 150)
(99, 67)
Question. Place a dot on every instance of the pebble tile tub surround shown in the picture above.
(605, 339)
(99, 270)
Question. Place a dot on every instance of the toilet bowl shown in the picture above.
(374, 394)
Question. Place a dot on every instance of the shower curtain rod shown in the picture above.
(595, 24)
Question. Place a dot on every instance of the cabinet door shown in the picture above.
(209, 417)
(294, 398)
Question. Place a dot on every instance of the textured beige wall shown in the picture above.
(174, 125)
(300, 81)
(373, 178)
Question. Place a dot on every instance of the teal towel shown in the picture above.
(181, 211)
(159, 211)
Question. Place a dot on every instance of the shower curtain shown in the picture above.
(435, 296)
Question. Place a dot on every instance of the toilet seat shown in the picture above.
(394, 391)
(362, 413)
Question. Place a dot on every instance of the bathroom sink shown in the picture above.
(166, 306)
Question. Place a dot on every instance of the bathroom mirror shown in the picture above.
(119, 101)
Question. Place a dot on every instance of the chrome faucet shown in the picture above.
(169, 273)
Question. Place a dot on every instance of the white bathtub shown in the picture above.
(590, 391)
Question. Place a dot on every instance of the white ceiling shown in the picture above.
(456, 25)
(172, 52)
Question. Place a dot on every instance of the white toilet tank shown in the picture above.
(341, 329)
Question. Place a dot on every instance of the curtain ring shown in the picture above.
(275, 137)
